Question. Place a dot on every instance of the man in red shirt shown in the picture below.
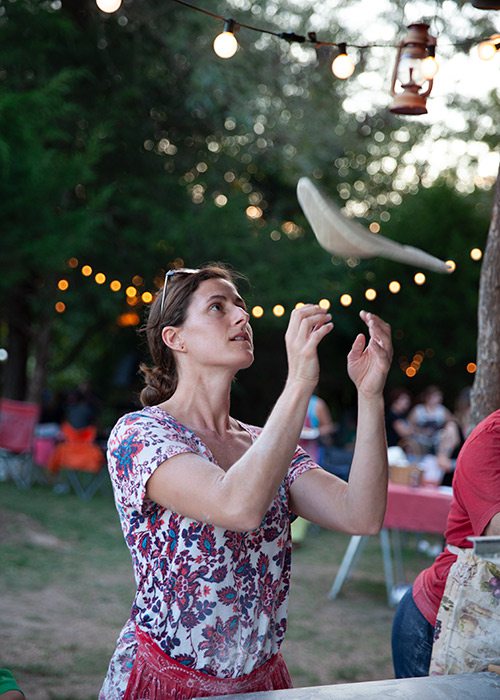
(474, 511)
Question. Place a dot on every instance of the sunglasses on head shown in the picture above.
(168, 275)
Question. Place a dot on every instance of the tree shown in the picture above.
(486, 389)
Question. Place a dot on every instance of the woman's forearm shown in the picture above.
(252, 481)
(366, 495)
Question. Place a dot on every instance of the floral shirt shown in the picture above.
(212, 599)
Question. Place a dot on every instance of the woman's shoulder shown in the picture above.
(145, 419)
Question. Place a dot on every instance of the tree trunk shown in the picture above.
(18, 342)
(486, 389)
(42, 352)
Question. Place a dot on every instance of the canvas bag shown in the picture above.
(467, 630)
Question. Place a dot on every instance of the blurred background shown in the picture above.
(127, 147)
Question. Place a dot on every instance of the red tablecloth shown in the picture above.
(417, 509)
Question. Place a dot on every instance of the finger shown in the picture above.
(357, 348)
(319, 332)
(379, 330)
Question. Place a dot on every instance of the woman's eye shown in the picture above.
(216, 306)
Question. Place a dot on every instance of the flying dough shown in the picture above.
(347, 238)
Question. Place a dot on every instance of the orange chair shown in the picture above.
(81, 458)
(17, 428)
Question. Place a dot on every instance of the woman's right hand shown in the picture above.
(307, 327)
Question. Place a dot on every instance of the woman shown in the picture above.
(205, 501)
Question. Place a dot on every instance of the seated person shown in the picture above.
(474, 511)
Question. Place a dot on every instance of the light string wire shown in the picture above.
(311, 36)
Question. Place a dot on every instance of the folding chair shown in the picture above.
(81, 459)
(17, 427)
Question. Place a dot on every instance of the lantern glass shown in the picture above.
(410, 70)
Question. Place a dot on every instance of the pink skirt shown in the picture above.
(155, 676)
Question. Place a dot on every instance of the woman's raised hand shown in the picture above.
(368, 364)
(307, 327)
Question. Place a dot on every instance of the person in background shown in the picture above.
(205, 501)
(428, 418)
(398, 428)
(453, 436)
(318, 429)
(9, 689)
(474, 511)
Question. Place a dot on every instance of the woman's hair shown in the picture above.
(171, 310)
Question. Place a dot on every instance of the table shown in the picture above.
(482, 685)
(409, 508)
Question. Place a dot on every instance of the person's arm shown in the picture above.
(239, 498)
(402, 428)
(358, 506)
(493, 527)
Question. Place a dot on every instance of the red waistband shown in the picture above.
(171, 679)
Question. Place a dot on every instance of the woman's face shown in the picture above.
(217, 331)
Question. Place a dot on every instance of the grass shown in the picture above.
(67, 586)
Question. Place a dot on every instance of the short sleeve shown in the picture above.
(477, 479)
(301, 463)
(137, 445)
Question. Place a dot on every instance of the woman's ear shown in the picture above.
(171, 336)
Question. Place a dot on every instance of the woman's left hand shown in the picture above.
(368, 364)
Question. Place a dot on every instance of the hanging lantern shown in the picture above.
(411, 81)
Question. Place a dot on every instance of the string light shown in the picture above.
(342, 65)
(476, 254)
(419, 278)
(108, 6)
(487, 49)
(225, 44)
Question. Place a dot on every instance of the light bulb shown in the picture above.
(429, 67)
(342, 66)
(108, 5)
(487, 49)
(225, 44)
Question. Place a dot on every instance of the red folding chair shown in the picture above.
(17, 428)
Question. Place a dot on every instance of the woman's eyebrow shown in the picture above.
(223, 297)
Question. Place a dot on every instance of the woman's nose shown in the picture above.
(242, 315)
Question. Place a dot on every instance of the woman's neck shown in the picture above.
(202, 405)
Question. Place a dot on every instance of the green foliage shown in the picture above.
(120, 137)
